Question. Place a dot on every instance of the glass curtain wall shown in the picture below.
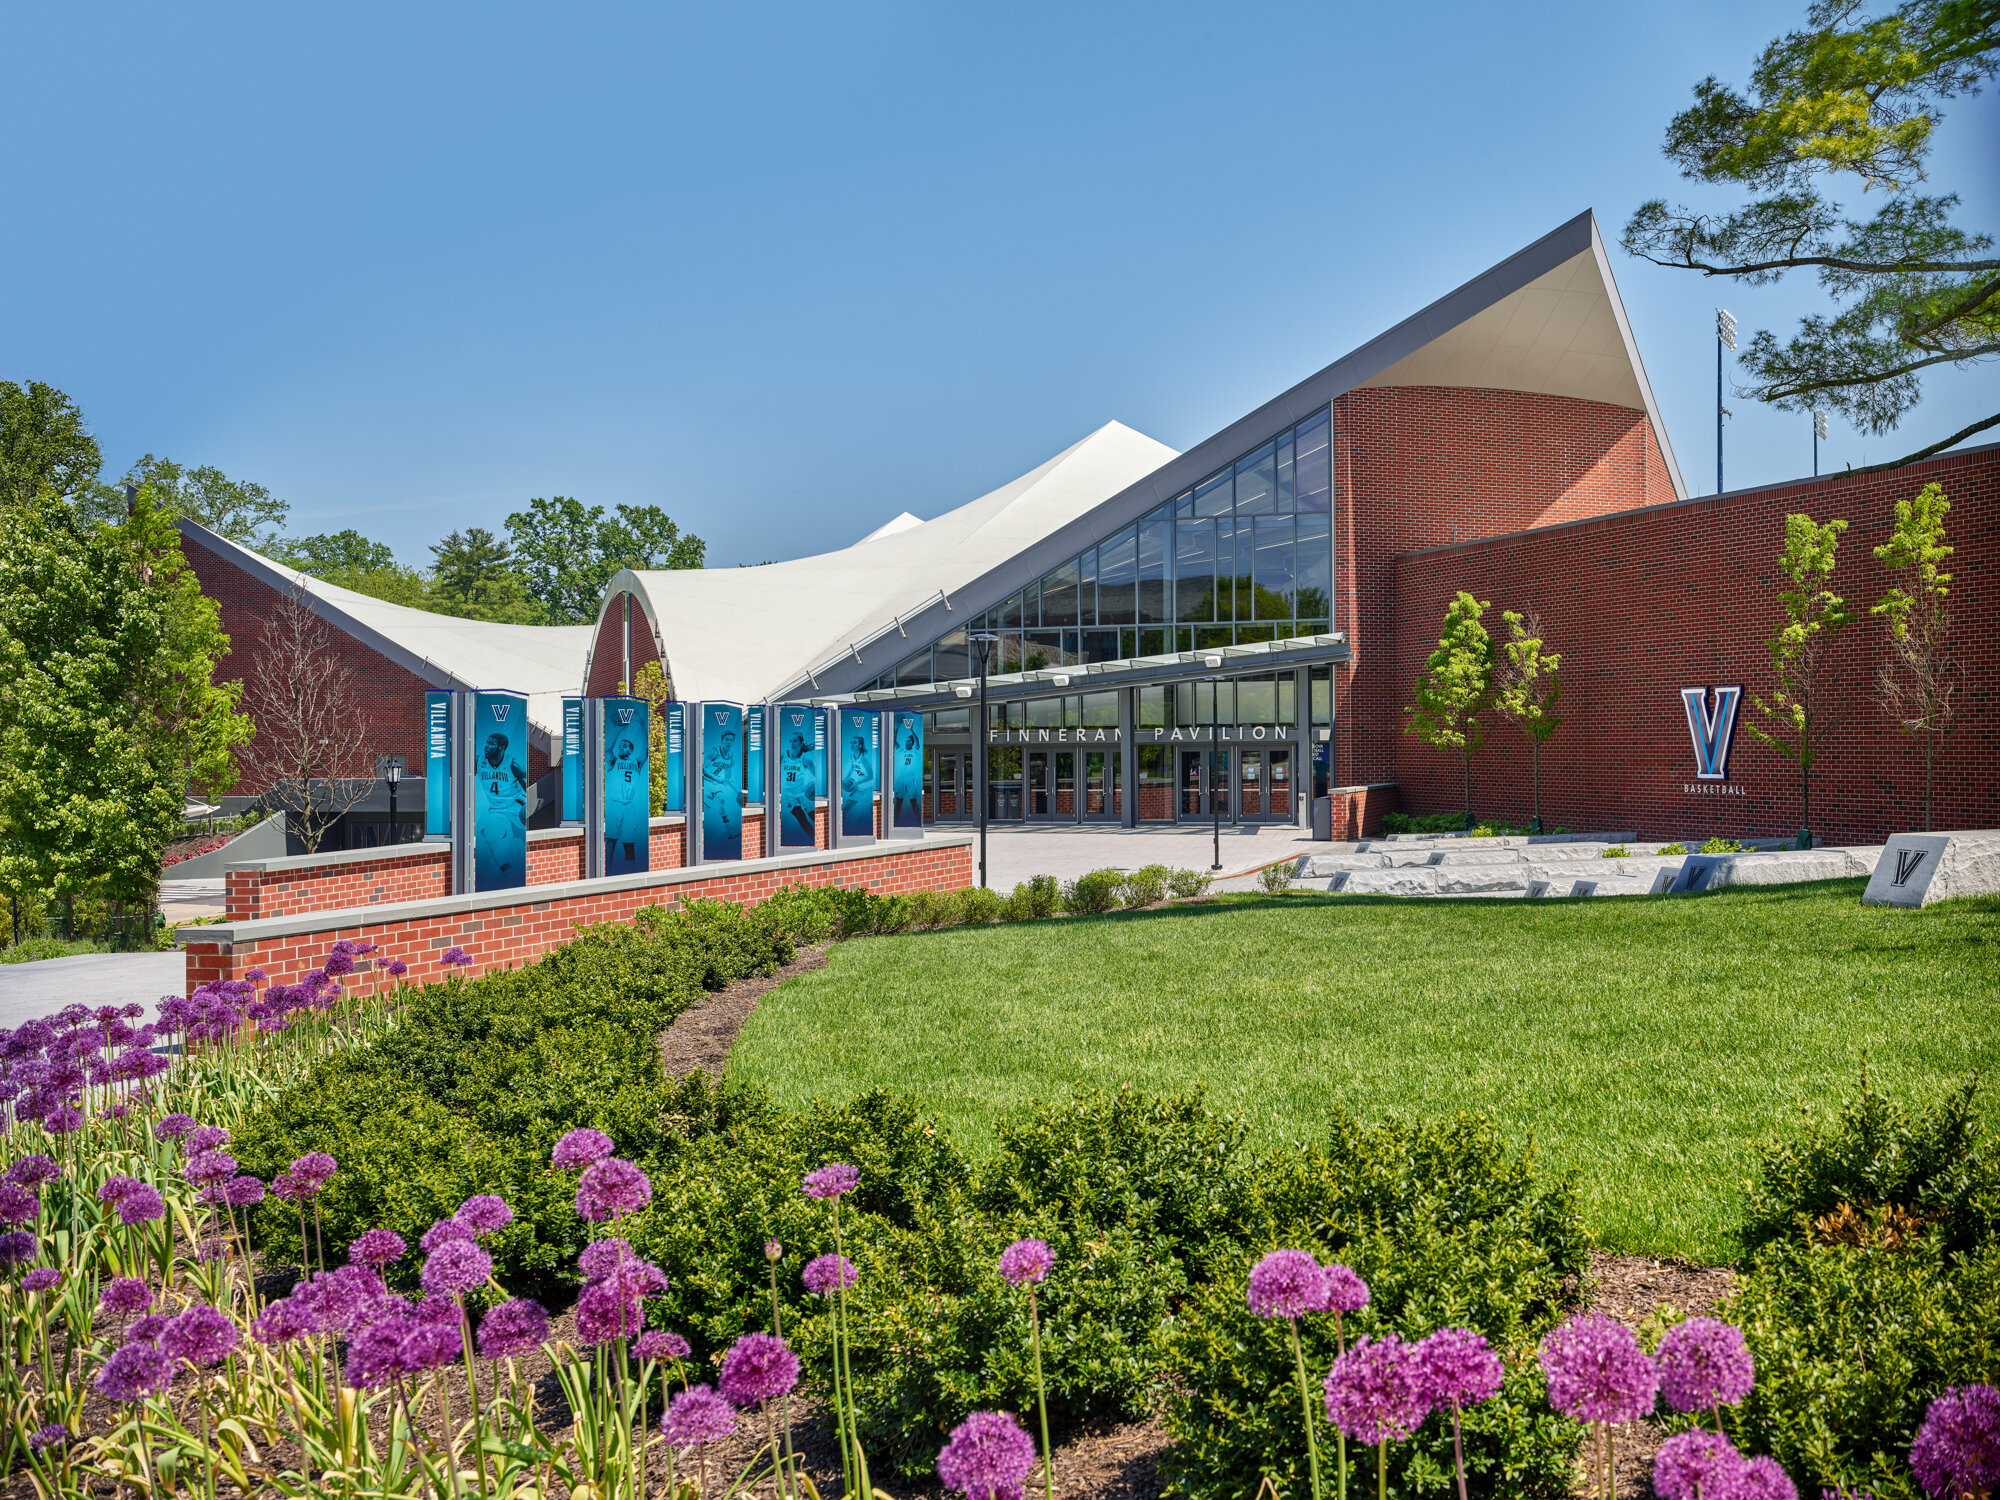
(1245, 555)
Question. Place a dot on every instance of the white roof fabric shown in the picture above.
(740, 635)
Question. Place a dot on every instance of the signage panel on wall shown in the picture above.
(628, 787)
(860, 756)
(721, 781)
(906, 757)
(499, 765)
(799, 732)
(675, 770)
(573, 773)
(753, 753)
(437, 765)
(1712, 730)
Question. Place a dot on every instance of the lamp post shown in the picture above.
(1214, 758)
(983, 766)
(1725, 334)
(393, 773)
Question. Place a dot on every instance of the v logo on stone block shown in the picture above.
(1711, 716)
(1907, 861)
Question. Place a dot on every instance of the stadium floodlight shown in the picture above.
(1819, 434)
(1725, 328)
(1725, 338)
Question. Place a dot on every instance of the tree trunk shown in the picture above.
(1468, 789)
(1535, 779)
(1930, 766)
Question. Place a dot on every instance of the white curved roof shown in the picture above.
(543, 661)
(743, 635)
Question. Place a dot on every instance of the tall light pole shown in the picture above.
(983, 766)
(1725, 334)
(1819, 433)
(1214, 757)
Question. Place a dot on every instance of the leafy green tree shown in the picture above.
(1918, 685)
(244, 512)
(1527, 687)
(474, 577)
(349, 560)
(566, 552)
(1457, 686)
(44, 444)
(1861, 96)
(1796, 714)
(109, 711)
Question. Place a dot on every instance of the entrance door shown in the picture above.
(1003, 783)
(1065, 800)
(1250, 788)
(1204, 775)
(1103, 796)
(948, 786)
(1041, 787)
(1279, 789)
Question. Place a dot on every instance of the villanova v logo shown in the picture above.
(625, 712)
(1711, 730)
(1907, 861)
(500, 712)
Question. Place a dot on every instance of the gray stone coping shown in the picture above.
(404, 851)
(478, 901)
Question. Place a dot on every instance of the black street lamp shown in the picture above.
(983, 766)
(1215, 757)
(393, 773)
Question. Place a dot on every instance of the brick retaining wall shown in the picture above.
(502, 929)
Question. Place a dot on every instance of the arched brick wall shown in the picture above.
(607, 652)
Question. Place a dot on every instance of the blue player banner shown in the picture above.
(500, 791)
(675, 770)
(721, 781)
(753, 754)
(907, 761)
(860, 762)
(572, 761)
(799, 733)
(437, 765)
(628, 789)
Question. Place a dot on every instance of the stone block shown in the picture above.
(1472, 880)
(1611, 887)
(1861, 858)
(1478, 856)
(1316, 866)
(1417, 880)
(1916, 869)
(1712, 872)
(1537, 889)
(1540, 839)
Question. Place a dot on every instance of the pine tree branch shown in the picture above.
(1937, 447)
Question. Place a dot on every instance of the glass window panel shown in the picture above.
(1274, 567)
(1322, 697)
(1315, 481)
(955, 657)
(1117, 579)
(1286, 474)
(1288, 699)
(1014, 715)
(1257, 483)
(1211, 638)
(1086, 592)
(1250, 634)
(1239, 576)
(1214, 496)
(1045, 713)
(1072, 651)
(1059, 596)
(1031, 609)
(1313, 581)
(1100, 710)
(1072, 713)
(1007, 652)
(1100, 645)
(1156, 542)
(1156, 707)
(953, 720)
(914, 670)
(1010, 614)
(1044, 649)
(1183, 703)
(1154, 642)
(1128, 644)
(1184, 506)
(1257, 700)
(1194, 570)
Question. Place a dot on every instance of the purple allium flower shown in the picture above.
(604, 1313)
(49, 1435)
(204, 1138)
(395, 968)
(339, 962)
(17, 1204)
(62, 1119)
(602, 1258)
(146, 1330)
(1762, 1479)
(288, 1187)
(376, 1247)
(513, 1329)
(256, 976)
(1697, 1465)
(374, 1353)
(1704, 1363)
(455, 1268)
(41, 1279)
(611, 1189)
(579, 1148)
(443, 1233)
(284, 1320)
(202, 1335)
(1025, 1261)
(827, 1274)
(128, 1294)
(34, 1170)
(989, 1457)
(1285, 1284)
(1375, 1392)
(313, 1169)
(773, 1251)
(832, 1180)
(1957, 1449)
(454, 957)
(173, 1125)
(16, 1246)
(209, 1166)
(134, 1373)
(1597, 1372)
(697, 1415)
(432, 1342)
(1344, 1290)
(1459, 1368)
(758, 1367)
(484, 1213)
(657, 1343)
(141, 1207)
(215, 1248)
(244, 1192)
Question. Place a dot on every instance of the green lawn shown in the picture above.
(1645, 1041)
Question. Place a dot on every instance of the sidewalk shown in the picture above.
(1067, 850)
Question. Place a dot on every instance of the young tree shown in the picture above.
(1917, 685)
(1456, 687)
(1862, 96)
(311, 749)
(242, 511)
(1527, 686)
(1800, 648)
(650, 683)
(474, 578)
(566, 552)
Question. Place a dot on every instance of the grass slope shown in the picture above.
(1644, 1041)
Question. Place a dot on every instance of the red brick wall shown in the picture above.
(1645, 604)
(552, 860)
(506, 936)
(607, 655)
(1425, 466)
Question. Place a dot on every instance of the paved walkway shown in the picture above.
(1067, 850)
(45, 987)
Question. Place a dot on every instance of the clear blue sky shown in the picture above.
(788, 270)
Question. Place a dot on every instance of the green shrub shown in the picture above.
(1673, 848)
(1722, 846)
(1277, 877)
(1095, 892)
(1397, 822)
(1185, 883)
(1145, 886)
(975, 905)
(1038, 896)
(1617, 851)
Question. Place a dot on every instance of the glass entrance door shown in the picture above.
(1204, 774)
(949, 786)
(1278, 790)
(1041, 788)
(1103, 796)
(1003, 784)
(1250, 793)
